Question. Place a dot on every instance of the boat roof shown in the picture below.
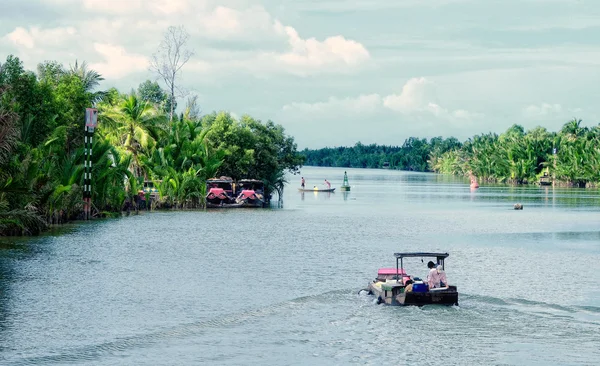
(421, 254)
(219, 180)
(250, 180)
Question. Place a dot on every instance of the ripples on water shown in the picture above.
(279, 286)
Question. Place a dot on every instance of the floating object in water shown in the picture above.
(345, 186)
(518, 206)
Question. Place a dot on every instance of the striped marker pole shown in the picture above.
(91, 121)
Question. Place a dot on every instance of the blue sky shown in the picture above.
(337, 72)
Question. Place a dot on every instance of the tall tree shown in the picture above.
(151, 92)
(172, 55)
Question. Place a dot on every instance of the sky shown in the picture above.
(335, 72)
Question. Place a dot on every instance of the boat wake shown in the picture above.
(519, 301)
(468, 303)
(111, 348)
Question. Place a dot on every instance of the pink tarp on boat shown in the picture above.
(246, 193)
(390, 271)
(216, 191)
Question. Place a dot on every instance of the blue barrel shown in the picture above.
(420, 287)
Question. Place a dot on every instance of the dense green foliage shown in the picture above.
(515, 156)
(42, 155)
(412, 155)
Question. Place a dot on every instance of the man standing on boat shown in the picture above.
(328, 184)
(433, 277)
(302, 183)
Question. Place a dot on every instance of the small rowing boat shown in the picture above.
(316, 190)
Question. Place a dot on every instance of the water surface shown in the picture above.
(279, 286)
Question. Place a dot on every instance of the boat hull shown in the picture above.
(251, 203)
(393, 294)
(223, 205)
(345, 188)
(316, 190)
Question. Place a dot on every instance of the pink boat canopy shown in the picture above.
(390, 271)
(247, 193)
(216, 191)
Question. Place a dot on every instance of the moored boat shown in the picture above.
(250, 193)
(390, 286)
(220, 192)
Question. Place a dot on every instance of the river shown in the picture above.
(279, 286)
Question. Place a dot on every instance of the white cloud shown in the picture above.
(112, 6)
(542, 110)
(417, 98)
(117, 61)
(311, 53)
(224, 21)
(167, 7)
(417, 94)
(371, 5)
(37, 37)
(360, 104)
(268, 46)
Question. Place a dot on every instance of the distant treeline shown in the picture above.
(413, 155)
(570, 157)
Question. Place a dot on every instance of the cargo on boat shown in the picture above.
(393, 286)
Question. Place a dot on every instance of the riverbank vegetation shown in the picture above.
(571, 156)
(137, 140)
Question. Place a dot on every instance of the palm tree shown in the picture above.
(132, 125)
(9, 132)
(113, 182)
(573, 129)
(90, 78)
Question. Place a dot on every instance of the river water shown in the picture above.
(279, 286)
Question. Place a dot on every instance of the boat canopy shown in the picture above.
(421, 254)
(438, 256)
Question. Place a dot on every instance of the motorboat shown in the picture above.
(391, 284)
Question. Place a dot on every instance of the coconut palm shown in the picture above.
(9, 132)
(133, 126)
(90, 78)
